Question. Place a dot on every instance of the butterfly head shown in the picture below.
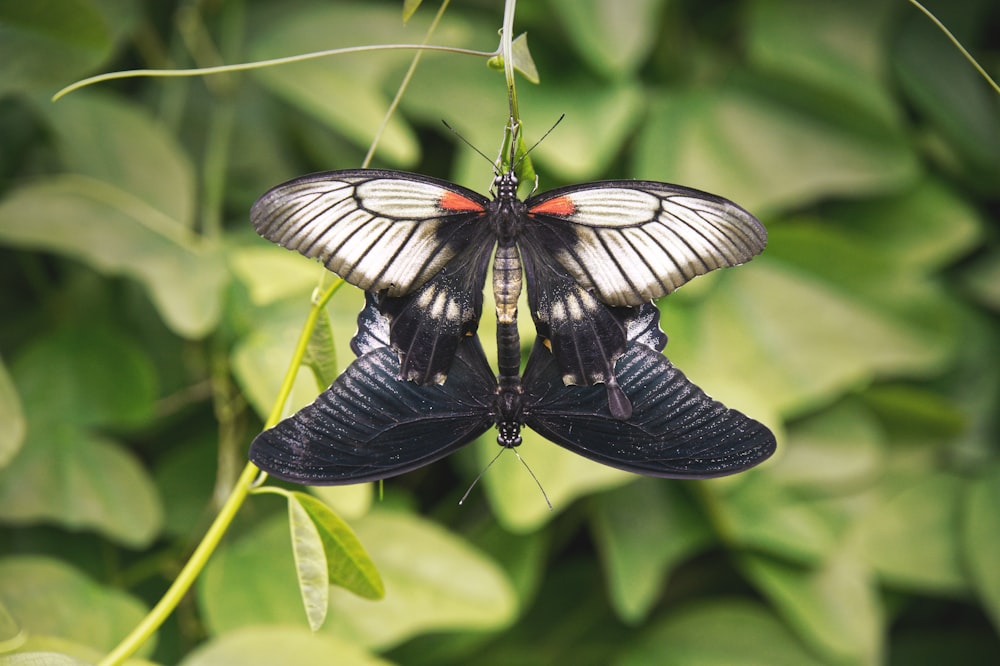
(509, 435)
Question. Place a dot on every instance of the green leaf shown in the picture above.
(833, 50)
(615, 38)
(838, 450)
(12, 425)
(64, 473)
(599, 119)
(310, 562)
(983, 279)
(834, 607)
(348, 565)
(104, 379)
(185, 479)
(719, 633)
(268, 645)
(11, 634)
(347, 92)
(42, 659)
(923, 229)
(523, 62)
(410, 7)
(50, 598)
(912, 536)
(115, 232)
(81, 481)
(433, 581)
(345, 102)
(753, 511)
(260, 359)
(781, 337)
(643, 531)
(914, 414)
(55, 651)
(981, 540)
(50, 42)
(764, 153)
(270, 273)
(351, 502)
(120, 144)
(321, 353)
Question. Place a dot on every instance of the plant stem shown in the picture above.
(506, 48)
(259, 64)
(958, 45)
(403, 85)
(199, 558)
(185, 579)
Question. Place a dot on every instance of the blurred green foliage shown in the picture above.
(145, 330)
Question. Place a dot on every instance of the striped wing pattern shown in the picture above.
(382, 231)
(634, 241)
(675, 430)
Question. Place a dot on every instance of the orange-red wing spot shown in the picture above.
(563, 206)
(455, 202)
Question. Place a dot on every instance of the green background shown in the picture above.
(145, 329)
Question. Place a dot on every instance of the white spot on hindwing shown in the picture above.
(558, 311)
(438, 307)
(454, 312)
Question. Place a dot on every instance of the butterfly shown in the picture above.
(371, 425)
(590, 254)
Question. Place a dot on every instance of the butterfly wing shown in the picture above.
(586, 336)
(428, 325)
(370, 425)
(674, 431)
(630, 242)
(382, 231)
(393, 233)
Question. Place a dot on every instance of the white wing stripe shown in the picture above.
(377, 231)
(634, 243)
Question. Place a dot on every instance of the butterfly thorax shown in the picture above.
(507, 212)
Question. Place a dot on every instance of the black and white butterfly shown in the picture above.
(591, 255)
(370, 425)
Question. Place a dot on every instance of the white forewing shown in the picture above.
(634, 241)
(400, 199)
(378, 230)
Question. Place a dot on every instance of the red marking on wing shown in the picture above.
(455, 202)
(562, 206)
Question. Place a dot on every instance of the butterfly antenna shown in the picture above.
(542, 138)
(468, 143)
(537, 482)
(490, 464)
(480, 475)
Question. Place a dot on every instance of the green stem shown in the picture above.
(185, 579)
(958, 45)
(507, 49)
(259, 64)
(403, 85)
(199, 558)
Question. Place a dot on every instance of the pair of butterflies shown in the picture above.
(594, 257)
